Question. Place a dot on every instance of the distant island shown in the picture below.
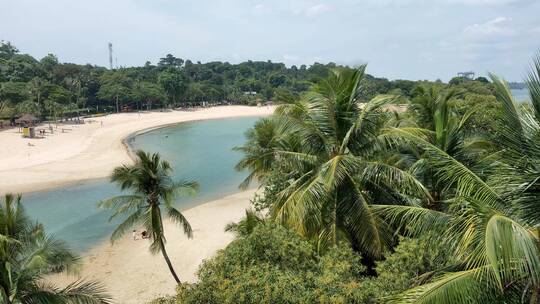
(517, 85)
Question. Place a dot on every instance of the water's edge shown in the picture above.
(130, 137)
(69, 212)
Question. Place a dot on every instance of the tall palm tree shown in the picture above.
(326, 144)
(28, 255)
(152, 187)
(492, 223)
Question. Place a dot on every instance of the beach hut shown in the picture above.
(27, 120)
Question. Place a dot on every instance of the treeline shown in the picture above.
(48, 88)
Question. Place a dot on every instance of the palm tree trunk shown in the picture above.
(166, 257)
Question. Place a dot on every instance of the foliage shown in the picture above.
(274, 265)
(28, 254)
(482, 201)
(489, 224)
(181, 82)
(247, 225)
(323, 146)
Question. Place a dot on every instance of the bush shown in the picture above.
(275, 265)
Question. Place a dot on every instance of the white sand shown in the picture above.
(87, 151)
(132, 275)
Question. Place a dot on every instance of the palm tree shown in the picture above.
(436, 120)
(28, 255)
(491, 224)
(258, 151)
(326, 144)
(35, 88)
(151, 185)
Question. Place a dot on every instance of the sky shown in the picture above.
(398, 39)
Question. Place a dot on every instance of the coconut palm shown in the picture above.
(258, 151)
(439, 123)
(152, 188)
(28, 255)
(519, 137)
(326, 144)
(491, 224)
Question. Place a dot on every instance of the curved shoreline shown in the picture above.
(129, 148)
(91, 150)
(127, 258)
(148, 275)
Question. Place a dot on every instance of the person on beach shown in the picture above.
(134, 235)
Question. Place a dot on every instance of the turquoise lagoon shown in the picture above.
(200, 151)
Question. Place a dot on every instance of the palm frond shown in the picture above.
(512, 250)
(178, 218)
(456, 287)
(414, 221)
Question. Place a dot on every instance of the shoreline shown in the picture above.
(109, 264)
(129, 137)
(148, 274)
(90, 151)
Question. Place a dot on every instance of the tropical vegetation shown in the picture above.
(364, 202)
(28, 255)
(50, 89)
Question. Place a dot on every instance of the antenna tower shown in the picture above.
(110, 56)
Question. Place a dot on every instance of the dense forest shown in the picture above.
(50, 89)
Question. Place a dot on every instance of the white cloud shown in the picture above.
(495, 27)
(317, 10)
(385, 33)
(260, 9)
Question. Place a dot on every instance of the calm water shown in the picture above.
(521, 95)
(199, 151)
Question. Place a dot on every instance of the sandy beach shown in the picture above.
(133, 275)
(87, 151)
(75, 153)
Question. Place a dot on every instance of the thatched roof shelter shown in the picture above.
(27, 119)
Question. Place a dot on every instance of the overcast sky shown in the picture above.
(410, 39)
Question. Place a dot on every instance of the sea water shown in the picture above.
(199, 151)
(521, 95)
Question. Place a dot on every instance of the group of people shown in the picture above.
(144, 235)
